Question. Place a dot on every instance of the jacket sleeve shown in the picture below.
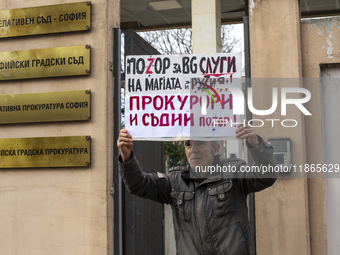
(144, 185)
(261, 174)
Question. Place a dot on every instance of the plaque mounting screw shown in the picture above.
(87, 27)
(88, 3)
(87, 91)
(87, 46)
(87, 71)
(87, 163)
(87, 138)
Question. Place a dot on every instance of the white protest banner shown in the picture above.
(171, 97)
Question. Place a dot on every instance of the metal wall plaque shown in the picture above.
(48, 62)
(45, 107)
(45, 19)
(71, 151)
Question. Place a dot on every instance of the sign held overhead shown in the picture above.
(181, 96)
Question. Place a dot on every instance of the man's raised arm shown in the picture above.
(124, 143)
(137, 182)
(262, 154)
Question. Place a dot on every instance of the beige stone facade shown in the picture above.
(65, 210)
(291, 216)
(319, 46)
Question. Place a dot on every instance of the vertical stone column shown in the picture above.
(282, 221)
(206, 26)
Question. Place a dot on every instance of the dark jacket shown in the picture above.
(210, 215)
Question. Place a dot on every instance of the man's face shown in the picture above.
(200, 153)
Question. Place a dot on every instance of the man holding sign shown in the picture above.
(208, 198)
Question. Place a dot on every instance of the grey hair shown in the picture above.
(214, 145)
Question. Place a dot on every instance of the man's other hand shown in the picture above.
(124, 143)
(244, 131)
